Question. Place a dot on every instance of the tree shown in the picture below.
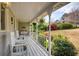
(72, 17)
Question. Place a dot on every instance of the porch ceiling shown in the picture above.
(27, 11)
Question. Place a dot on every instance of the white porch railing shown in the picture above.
(34, 48)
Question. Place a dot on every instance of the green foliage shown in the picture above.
(42, 26)
(62, 47)
(42, 40)
(75, 26)
(42, 21)
(34, 26)
(65, 26)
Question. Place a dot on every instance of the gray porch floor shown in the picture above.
(33, 48)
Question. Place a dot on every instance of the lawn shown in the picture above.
(71, 34)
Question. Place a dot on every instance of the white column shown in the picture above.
(37, 29)
(49, 40)
(0, 16)
(30, 29)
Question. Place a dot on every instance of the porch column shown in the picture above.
(49, 11)
(37, 29)
(30, 29)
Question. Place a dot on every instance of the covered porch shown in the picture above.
(24, 41)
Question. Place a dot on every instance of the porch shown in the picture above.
(33, 48)
(27, 45)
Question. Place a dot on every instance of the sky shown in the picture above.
(56, 15)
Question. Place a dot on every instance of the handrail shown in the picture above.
(41, 46)
(35, 49)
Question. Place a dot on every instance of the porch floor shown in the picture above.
(33, 48)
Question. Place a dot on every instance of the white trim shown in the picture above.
(37, 29)
(49, 11)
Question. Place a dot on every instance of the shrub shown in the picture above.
(42, 27)
(62, 47)
(65, 26)
(43, 41)
(53, 26)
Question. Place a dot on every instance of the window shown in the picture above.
(2, 17)
(11, 20)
